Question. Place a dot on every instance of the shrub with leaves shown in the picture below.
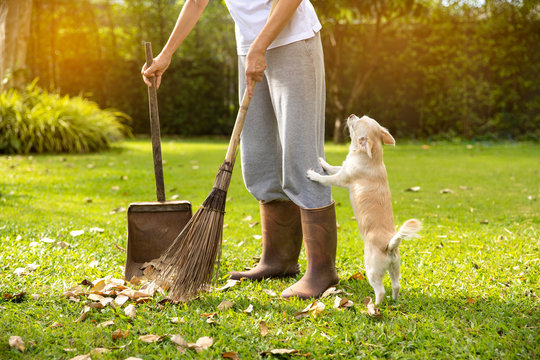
(39, 122)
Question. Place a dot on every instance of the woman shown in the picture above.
(283, 135)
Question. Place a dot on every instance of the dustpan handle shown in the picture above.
(154, 128)
(237, 130)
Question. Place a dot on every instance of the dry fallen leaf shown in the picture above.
(253, 224)
(332, 291)
(75, 233)
(371, 309)
(56, 324)
(447, 191)
(17, 343)
(357, 276)
(106, 323)
(247, 218)
(82, 357)
(84, 312)
(413, 189)
(121, 299)
(257, 237)
(130, 311)
(263, 328)
(176, 320)
(225, 304)
(249, 309)
(119, 333)
(98, 351)
(269, 292)
(340, 303)
(150, 338)
(32, 267)
(230, 355)
(179, 340)
(315, 308)
(280, 352)
(204, 342)
(230, 283)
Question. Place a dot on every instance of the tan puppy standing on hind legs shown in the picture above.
(364, 174)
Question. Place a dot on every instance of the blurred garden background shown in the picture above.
(427, 69)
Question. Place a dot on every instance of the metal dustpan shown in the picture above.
(153, 226)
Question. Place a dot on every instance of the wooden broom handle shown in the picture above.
(237, 130)
(154, 128)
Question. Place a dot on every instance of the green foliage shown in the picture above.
(423, 68)
(35, 121)
(469, 283)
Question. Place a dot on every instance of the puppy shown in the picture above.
(364, 174)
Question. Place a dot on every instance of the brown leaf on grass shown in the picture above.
(225, 304)
(134, 294)
(98, 351)
(229, 284)
(340, 303)
(17, 343)
(315, 308)
(279, 352)
(413, 189)
(150, 338)
(263, 328)
(357, 276)
(332, 291)
(176, 320)
(253, 224)
(96, 305)
(249, 309)
(74, 291)
(447, 191)
(470, 300)
(247, 218)
(95, 297)
(204, 342)
(84, 312)
(119, 334)
(120, 248)
(82, 357)
(56, 324)
(230, 355)
(179, 340)
(106, 323)
(16, 298)
(257, 237)
(130, 311)
(371, 309)
(269, 292)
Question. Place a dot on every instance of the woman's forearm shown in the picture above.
(190, 14)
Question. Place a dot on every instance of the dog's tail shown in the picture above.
(407, 230)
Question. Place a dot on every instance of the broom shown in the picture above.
(186, 267)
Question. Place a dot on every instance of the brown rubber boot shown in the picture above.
(320, 242)
(281, 238)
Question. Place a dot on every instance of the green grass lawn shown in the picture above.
(469, 283)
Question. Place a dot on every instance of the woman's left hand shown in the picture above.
(255, 66)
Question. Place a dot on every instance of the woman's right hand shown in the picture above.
(158, 67)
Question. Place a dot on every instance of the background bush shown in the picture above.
(35, 121)
(422, 68)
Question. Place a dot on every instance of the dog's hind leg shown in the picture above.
(375, 280)
(394, 271)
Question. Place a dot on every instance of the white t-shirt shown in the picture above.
(250, 17)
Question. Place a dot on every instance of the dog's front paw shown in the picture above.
(312, 175)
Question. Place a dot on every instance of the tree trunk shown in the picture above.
(15, 21)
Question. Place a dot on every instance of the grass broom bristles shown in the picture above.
(187, 266)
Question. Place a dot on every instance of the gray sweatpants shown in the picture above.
(283, 135)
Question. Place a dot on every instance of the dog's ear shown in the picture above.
(386, 137)
(366, 145)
